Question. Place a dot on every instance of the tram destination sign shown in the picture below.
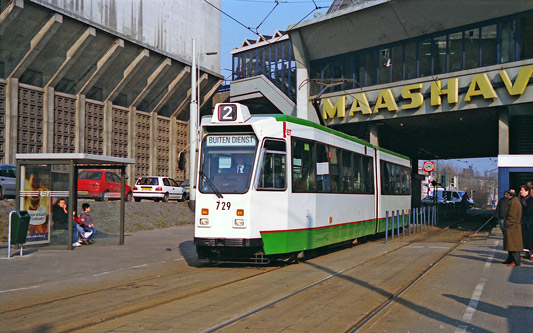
(230, 140)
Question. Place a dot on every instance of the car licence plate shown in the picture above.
(146, 188)
(83, 192)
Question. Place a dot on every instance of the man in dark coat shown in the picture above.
(512, 235)
(500, 208)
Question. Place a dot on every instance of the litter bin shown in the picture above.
(20, 221)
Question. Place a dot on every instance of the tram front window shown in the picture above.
(227, 161)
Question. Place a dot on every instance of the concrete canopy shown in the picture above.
(389, 21)
(44, 48)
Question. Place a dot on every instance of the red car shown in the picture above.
(101, 185)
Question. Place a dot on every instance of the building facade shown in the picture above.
(104, 77)
(428, 79)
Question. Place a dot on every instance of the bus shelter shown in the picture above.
(44, 178)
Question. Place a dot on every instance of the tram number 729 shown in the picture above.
(221, 205)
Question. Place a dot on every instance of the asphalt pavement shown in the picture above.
(475, 292)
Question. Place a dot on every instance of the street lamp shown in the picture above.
(193, 127)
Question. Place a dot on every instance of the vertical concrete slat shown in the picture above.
(48, 119)
(80, 123)
(12, 98)
(132, 143)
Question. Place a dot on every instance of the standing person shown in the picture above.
(87, 223)
(527, 220)
(500, 208)
(512, 235)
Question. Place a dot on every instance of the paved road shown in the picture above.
(467, 291)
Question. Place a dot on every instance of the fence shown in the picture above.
(415, 220)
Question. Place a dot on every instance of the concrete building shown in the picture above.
(428, 79)
(105, 77)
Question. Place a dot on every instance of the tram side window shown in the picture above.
(363, 167)
(303, 166)
(273, 175)
(348, 176)
(323, 169)
(395, 179)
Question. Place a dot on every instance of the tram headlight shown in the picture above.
(239, 223)
(203, 222)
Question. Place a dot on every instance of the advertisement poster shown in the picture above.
(35, 198)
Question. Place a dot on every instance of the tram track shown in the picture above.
(156, 300)
(379, 308)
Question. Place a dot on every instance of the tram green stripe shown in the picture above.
(299, 240)
(393, 153)
(308, 123)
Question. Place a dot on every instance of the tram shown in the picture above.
(272, 186)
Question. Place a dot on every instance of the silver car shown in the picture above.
(8, 180)
(157, 188)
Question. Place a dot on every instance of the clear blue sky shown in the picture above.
(251, 13)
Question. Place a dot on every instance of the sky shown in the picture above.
(257, 16)
(254, 14)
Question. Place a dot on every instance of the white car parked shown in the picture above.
(157, 188)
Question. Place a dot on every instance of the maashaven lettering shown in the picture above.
(412, 94)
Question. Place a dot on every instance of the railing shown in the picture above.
(417, 220)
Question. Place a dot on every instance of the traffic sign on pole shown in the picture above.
(429, 166)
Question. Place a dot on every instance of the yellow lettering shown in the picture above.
(520, 82)
(330, 110)
(452, 92)
(485, 87)
(416, 97)
(385, 100)
(360, 104)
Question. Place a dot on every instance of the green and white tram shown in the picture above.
(272, 186)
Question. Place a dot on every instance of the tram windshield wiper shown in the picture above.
(213, 187)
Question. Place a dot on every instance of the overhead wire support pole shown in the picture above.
(193, 129)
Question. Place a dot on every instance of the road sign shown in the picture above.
(429, 166)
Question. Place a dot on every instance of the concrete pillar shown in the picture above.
(503, 131)
(374, 135)
(304, 108)
(80, 124)
(11, 133)
(48, 119)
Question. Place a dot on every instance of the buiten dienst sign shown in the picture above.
(438, 94)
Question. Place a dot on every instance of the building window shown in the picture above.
(489, 45)
(471, 48)
(455, 49)
(410, 61)
(424, 58)
(526, 36)
(439, 55)
(508, 44)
